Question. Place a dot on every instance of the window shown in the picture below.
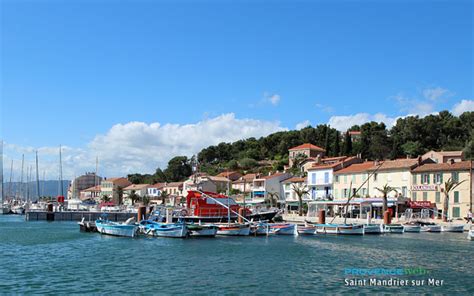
(375, 177)
(425, 196)
(438, 178)
(364, 191)
(413, 196)
(425, 178)
(326, 178)
(456, 212)
(345, 192)
(456, 196)
(313, 178)
(455, 176)
(414, 179)
(404, 191)
(438, 196)
(336, 179)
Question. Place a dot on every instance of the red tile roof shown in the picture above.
(356, 168)
(307, 146)
(354, 133)
(439, 167)
(295, 180)
(93, 188)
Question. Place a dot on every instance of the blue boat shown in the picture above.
(152, 228)
(127, 229)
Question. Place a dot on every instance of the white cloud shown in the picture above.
(435, 93)
(274, 99)
(141, 147)
(342, 123)
(302, 124)
(324, 108)
(463, 106)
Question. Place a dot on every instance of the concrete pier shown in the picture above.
(76, 216)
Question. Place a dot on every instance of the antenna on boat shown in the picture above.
(61, 189)
(1, 170)
(10, 183)
(21, 179)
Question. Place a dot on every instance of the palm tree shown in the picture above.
(449, 186)
(300, 191)
(164, 195)
(271, 197)
(105, 198)
(133, 196)
(145, 200)
(385, 190)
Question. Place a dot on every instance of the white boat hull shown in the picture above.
(340, 229)
(206, 232)
(373, 229)
(306, 230)
(234, 230)
(286, 229)
(431, 228)
(412, 228)
(453, 228)
(393, 229)
(117, 230)
(178, 232)
(470, 235)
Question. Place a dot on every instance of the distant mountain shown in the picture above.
(47, 188)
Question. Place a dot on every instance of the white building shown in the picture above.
(269, 184)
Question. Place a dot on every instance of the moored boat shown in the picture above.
(394, 228)
(373, 228)
(412, 227)
(18, 210)
(204, 230)
(233, 229)
(127, 229)
(344, 229)
(283, 228)
(470, 234)
(430, 227)
(452, 228)
(173, 230)
(5, 209)
(306, 229)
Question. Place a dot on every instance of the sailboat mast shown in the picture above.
(1, 170)
(37, 177)
(61, 191)
(10, 183)
(28, 172)
(21, 179)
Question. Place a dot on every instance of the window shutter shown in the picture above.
(441, 177)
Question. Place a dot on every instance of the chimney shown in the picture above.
(376, 162)
(419, 160)
(451, 161)
(318, 159)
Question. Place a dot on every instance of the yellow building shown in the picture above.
(396, 173)
(428, 185)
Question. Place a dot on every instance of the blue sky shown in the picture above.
(72, 70)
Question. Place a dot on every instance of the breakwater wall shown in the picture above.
(76, 216)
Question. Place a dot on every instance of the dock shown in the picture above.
(76, 216)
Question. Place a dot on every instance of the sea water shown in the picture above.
(56, 258)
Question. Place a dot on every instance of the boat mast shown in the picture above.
(61, 189)
(37, 177)
(10, 183)
(1, 170)
(28, 176)
(228, 201)
(21, 179)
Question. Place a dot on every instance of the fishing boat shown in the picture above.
(18, 210)
(127, 229)
(373, 228)
(209, 207)
(5, 209)
(233, 229)
(87, 226)
(430, 227)
(152, 228)
(283, 228)
(306, 229)
(344, 229)
(452, 228)
(470, 234)
(202, 230)
(412, 227)
(261, 228)
(394, 228)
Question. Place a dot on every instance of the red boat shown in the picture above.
(212, 207)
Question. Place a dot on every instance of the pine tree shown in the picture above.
(347, 147)
(337, 142)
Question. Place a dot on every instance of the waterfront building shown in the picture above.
(154, 191)
(308, 150)
(199, 181)
(232, 176)
(112, 187)
(263, 185)
(291, 198)
(81, 183)
(174, 191)
(92, 193)
(355, 136)
(396, 173)
(444, 156)
(428, 185)
(320, 175)
(245, 183)
(140, 189)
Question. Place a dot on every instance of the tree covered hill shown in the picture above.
(410, 136)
